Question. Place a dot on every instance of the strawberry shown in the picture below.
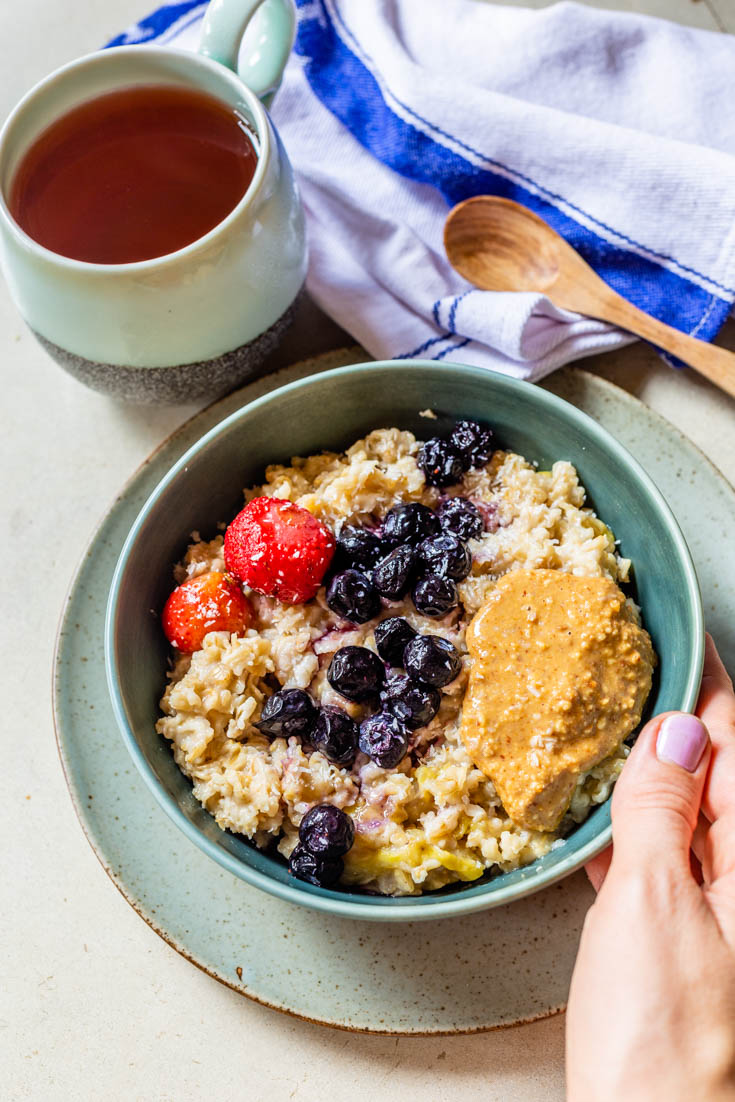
(208, 602)
(279, 548)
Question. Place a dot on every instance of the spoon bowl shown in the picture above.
(499, 245)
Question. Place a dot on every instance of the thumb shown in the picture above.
(656, 801)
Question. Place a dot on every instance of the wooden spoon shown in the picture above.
(500, 245)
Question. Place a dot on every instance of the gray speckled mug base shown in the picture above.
(182, 382)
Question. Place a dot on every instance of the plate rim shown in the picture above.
(77, 802)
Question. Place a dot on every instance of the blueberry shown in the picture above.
(446, 556)
(288, 712)
(307, 866)
(353, 596)
(356, 673)
(326, 831)
(460, 516)
(359, 547)
(435, 596)
(410, 701)
(473, 442)
(409, 523)
(335, 734)
(393, 575)
(433, 660)
(391, 637)
(384, 739)
(441, 462)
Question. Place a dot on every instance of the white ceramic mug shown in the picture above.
(200, 320)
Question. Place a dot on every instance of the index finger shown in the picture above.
(716, 709)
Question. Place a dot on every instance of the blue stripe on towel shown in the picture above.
(423, 347)
(452, 348)
(346, 86)
(453, 309)
(157, 23)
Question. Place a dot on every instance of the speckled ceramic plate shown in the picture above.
(489, 970)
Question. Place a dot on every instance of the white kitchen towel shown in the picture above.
(617, 129)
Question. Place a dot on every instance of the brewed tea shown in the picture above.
(133, 174)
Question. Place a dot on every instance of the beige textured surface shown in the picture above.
(93, 1005)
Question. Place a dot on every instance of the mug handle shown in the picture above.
(273, 32)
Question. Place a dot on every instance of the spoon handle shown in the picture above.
(716, 364)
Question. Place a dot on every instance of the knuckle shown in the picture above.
(652, 888)
(717, 678)
(724, 759)
(721, 895)
(667, 796)
(718, 858)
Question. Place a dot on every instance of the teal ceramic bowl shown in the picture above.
(330, 411)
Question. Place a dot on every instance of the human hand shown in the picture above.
(651, 1012)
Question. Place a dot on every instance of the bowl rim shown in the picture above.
(391, 908)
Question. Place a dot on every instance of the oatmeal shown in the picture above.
(352, 695)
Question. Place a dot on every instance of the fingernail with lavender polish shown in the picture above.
(682, 740)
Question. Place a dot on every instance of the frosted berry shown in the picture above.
(409, 523)
(208, 602)
(326, 831)
(441, 462)
(460, 516)
(473, 442)
(434, 596)
(359, 547)
(414, 703)
(356, 673)
(320, 871)
(278, 548)
(287, 712)
(353, 596)
(433, 660)
(384, 739)
(393, 575)
(446, 556)
(335, 735)
(391, 637)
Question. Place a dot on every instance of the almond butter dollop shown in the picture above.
(560, 673)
